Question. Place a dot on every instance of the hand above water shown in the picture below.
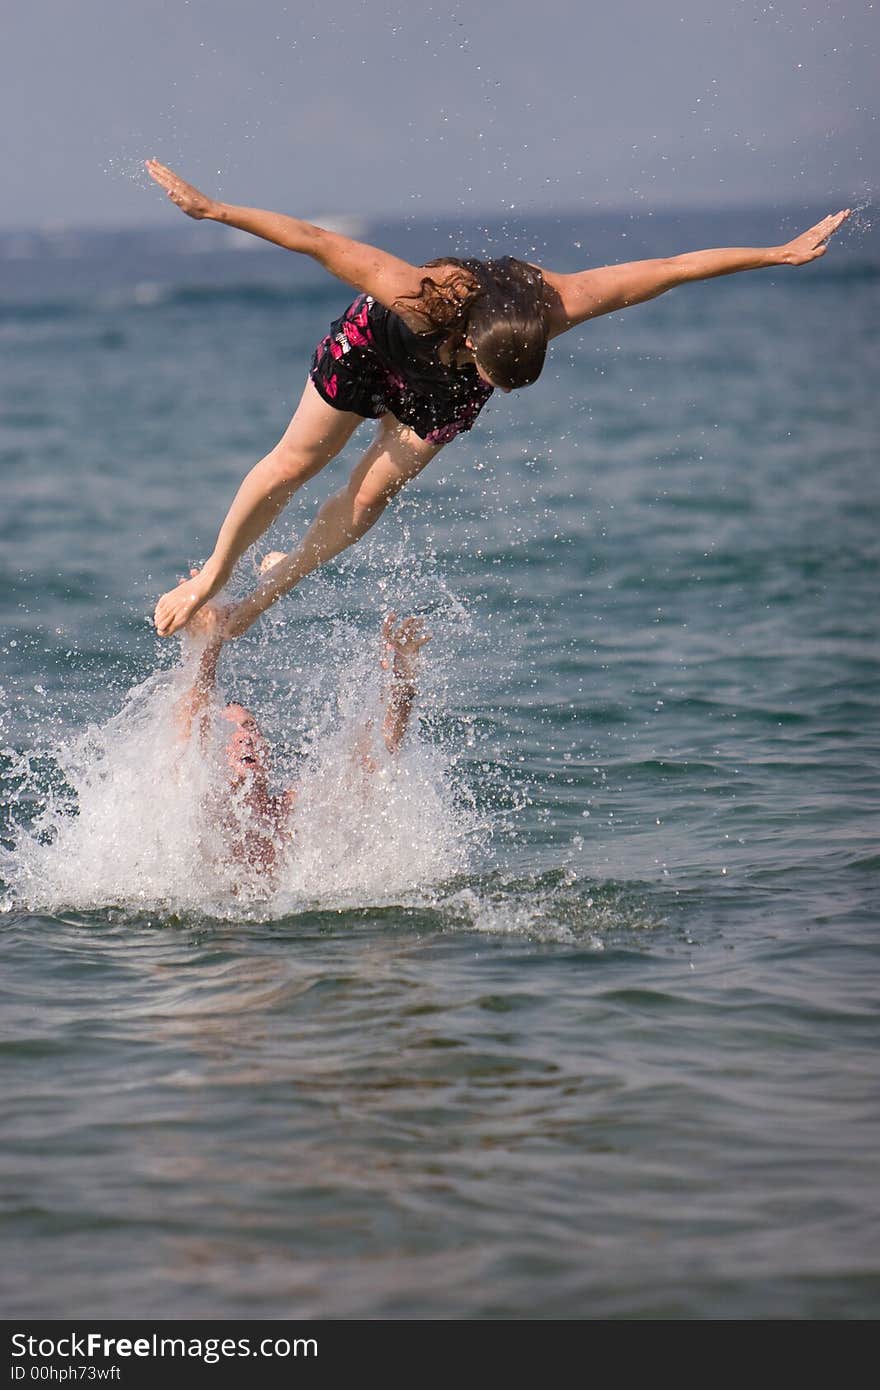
(812, 244)
(184, 195)
(404, 642)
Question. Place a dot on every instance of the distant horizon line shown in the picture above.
(519, 212)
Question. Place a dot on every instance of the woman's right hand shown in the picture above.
(812, 244)
(183, 194)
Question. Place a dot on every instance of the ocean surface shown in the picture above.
(572, 1010)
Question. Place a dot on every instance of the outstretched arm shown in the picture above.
(403, 645)
(591, 293)
(375, 272)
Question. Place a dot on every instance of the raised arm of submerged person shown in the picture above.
(420, 350)
(216, 624)
(253, 819)
(208, 625)
(403, 645)
(195, 703)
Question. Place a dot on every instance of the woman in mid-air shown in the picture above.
(421, 350)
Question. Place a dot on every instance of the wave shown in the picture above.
(41, 311)
(150, 294)
(257, 294)
(841, 271)
(557, 907)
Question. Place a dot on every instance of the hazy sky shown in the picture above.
(395, 106)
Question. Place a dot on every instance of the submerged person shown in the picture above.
(256, 823)
(421, 349)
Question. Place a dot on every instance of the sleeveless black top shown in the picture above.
(372, 362)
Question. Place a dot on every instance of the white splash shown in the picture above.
(369, 837)
(136, 825)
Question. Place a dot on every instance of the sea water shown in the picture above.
(570, 1010)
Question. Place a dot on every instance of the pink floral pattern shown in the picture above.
(355, 334)
(444, 434)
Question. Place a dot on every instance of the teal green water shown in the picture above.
(575, 1013)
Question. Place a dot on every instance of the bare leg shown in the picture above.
(396, 455)
(314, 436)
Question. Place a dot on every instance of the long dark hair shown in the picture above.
(500, 305)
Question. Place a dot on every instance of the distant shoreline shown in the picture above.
(57, 239)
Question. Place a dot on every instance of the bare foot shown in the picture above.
(210, 622)
(812, 244)
(175, 609)
(184, 195)
(269, 561)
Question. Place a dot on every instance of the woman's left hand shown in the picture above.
(812, 244)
